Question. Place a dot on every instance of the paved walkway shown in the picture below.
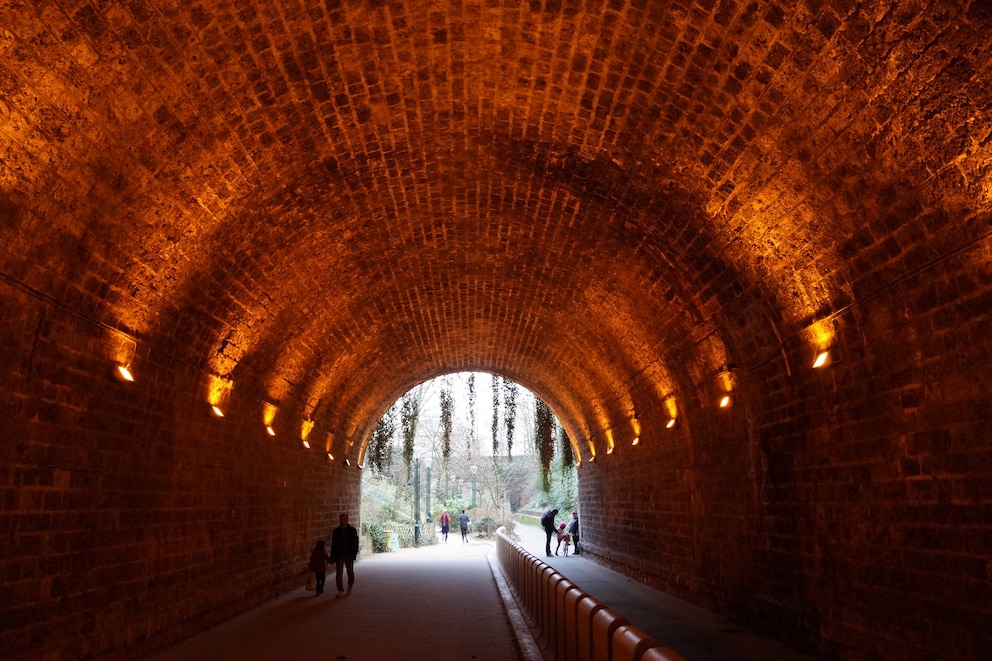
(695, 633)
(435, 602)
(442, 602)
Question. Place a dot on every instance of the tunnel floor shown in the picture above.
(441, 602)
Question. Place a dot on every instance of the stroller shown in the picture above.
(563, 538)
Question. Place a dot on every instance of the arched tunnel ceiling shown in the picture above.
(337, 200)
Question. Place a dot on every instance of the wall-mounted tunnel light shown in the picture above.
(725, 402)
(347, 462)
(124, 373)
(671, 424)
(269, 430)
(636, 441)
(330, 456)
(306, 444)
(822, 359)
(216, 411)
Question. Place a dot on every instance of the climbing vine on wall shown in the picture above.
(495, 425)
(447, 408)
(409, 413)
(379, 454)
(567, 456)
(509, 413)
(471, 414)
(544, 442)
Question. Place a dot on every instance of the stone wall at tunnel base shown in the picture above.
(844, 509)
(132, 517)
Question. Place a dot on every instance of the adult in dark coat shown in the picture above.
(344, 550)
(548, 523)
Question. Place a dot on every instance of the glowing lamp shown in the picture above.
(125, 374)
(217, 412)
(306, 444)
(269, 430)
(671, 424)
(821, 359)
(330, 456)
(636, 441)
(725, 402)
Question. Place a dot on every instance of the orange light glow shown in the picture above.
(636, 441)
(217, 412)
(124, 373)
(725, 402)
(270, 431)
(671, 424)
(821, 359)
(306, 444)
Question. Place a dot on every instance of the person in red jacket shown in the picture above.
(445, 525)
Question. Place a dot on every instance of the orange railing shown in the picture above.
(566, 622)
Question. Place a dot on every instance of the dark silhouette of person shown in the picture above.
(573, 530)
(548, 523)
(318, 565)
(344, 550)
(463, 525)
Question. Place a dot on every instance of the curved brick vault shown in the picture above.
(299, 210)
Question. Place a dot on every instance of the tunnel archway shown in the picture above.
(299, 210)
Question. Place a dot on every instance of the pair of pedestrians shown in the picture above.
(344, 550)
(462, 525)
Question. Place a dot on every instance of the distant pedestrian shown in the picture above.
(463, 525)
(445, 525)
(548, 523)
(344, 550)
(318, 565)
(573, 530)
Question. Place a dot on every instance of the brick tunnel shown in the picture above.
(654, 214)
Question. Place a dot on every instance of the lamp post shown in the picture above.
(474, 469)
(416, 501)
(427, 462)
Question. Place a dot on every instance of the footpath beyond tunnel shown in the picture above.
(441, 602)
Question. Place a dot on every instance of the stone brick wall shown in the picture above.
(133, 518)
(846, 508)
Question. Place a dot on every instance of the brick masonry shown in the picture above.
(302, 209)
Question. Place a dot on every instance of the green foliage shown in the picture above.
(544, 440)
(379, 454)
(447, 407)
(495, 425)
(471, 414)
(409, 414)
(565, 448)
(509, 413)
(380, 540)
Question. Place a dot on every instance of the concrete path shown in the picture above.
(442, 602)
(435, 602)
(695, 633)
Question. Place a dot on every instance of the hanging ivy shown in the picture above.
(447, 408)
(544, 441)
(379, 454)
(509, 413)
(408, 421)
(495, 425)
(471, 414)
(567, 456)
